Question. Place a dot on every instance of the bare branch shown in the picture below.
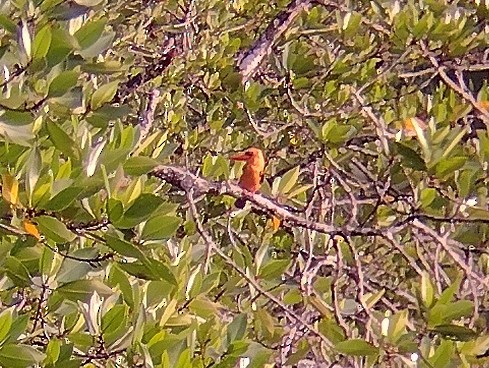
(459, 89)
(246, 275)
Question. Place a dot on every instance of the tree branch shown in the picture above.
(249, 62)
(186, 180)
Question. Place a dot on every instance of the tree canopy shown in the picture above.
(119, 239)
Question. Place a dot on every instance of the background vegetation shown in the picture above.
(119, 243)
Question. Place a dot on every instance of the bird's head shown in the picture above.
(251, 155)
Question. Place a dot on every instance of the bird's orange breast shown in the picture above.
(251, 178)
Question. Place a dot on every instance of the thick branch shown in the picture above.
(185, 180)
(251, 60)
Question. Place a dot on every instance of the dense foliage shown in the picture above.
(120, 243)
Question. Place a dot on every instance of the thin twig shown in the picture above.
(249, 278)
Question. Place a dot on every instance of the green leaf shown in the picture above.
(99, 47)
(356, 347)
(120, 279)
(42, 42)
(142, 209)
(237, 328)
(160, 269)
(19, 326)
(411, 159)
(17, 117)
(115, 209)
(61, 46)
(289, 179)
(455, 332)
(465, 181)
(123, 247)
(53, 350)
(17, 272)
(62, 140)
(103, 94)
(114, 318)
(447, 167)
(19, 356)
(5, 323)
(150, 269)
(427, 289)
(273, 269)
(83, 289)
(21, 135)
(106, 67)
(397, 325)
(62, 83)
(139, 165)
(161, 227)
(54, 229)
(443, 354)
(7, 24)
(90, 32)
(139, 270)
(63, 199)
(448, 294)
(458, 309)
(335, 133)
(428, 195)
(203, 307)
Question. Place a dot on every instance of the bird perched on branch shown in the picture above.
(253, 171)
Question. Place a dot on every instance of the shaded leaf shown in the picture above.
(161, 227)
(455, 332)
(17, 272)
(142, 209)
(123, 247)
(237, 328)
(62, 140)
(62, 83)
(63, 199)
(19, 356)
(139, 165)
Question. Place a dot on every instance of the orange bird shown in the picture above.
(253, 171)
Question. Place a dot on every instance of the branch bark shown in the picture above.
(249, 62)
(186, 180)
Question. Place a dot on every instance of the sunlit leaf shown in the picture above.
(42, 42)
(356, 347)
(10, 189)
(103, 94)
(54, 229)
(288, 180)
(31, 229)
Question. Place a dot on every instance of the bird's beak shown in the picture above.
(239, 157)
